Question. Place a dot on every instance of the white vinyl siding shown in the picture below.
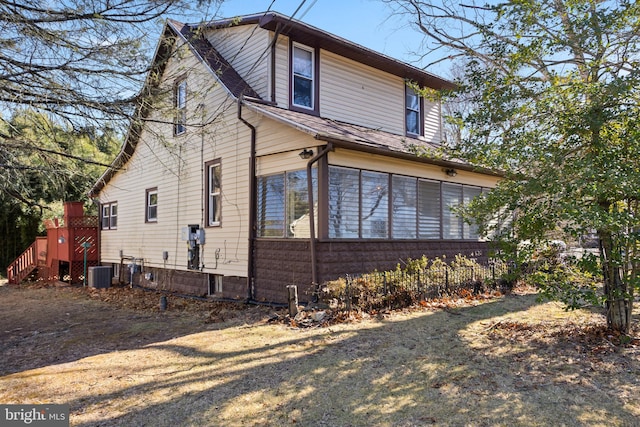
(245, 47)
(432, 121)
(177, 170)
(282, 71)
(359, 94)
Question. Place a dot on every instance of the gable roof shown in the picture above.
(341, 134)
(206, 53)
(317, 38)
(219, 66)
(360, 138)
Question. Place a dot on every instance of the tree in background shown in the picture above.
(70, 77)
(81, 61)
(555, 89)
(49, 163)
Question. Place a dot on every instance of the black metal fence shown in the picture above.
(400, 288)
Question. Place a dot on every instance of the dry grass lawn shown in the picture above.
(508, 361)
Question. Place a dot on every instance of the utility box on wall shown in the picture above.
(194, 236)
(99, 277)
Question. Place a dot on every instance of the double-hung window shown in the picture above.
(180, 105)
(303, 77)
(413, 112)
(213, 193)
(109, 220)
(151, 211)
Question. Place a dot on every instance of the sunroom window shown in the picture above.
(375, 205)
(283, 204)
(360, 206)
(344, 203)
(451, 222)
(404, 207)
(429, 209)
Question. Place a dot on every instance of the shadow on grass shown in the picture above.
(44, 326)
(417, 371)
(414, 370)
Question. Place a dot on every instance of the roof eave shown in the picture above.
(315, 37)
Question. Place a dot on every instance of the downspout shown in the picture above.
(252, 203)
(312, 226)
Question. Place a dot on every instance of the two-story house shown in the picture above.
(270, 153)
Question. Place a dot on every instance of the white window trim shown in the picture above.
(108, 207)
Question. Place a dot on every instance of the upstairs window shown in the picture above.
(109, 220)
(303, 78)
(213, 193)
(180, 105)
(151, 211)
(413, 112)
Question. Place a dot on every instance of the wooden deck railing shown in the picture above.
(22, 266)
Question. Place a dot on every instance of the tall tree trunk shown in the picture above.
(619, 301)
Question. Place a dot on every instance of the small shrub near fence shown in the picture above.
(414, 281)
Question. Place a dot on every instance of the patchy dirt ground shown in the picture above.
(42, 324)
(116, 359)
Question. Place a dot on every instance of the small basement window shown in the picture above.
(215, 284)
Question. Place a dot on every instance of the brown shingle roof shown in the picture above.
(223, 70)
(362, 138)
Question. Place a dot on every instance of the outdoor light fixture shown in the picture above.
(61, 239)
(306, 154)
(451, 172)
